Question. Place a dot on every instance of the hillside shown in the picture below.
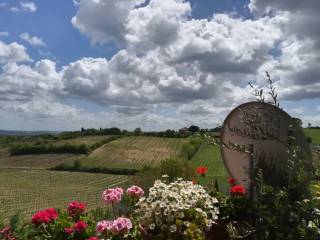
(134, 152)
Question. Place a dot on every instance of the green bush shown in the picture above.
(24, 149)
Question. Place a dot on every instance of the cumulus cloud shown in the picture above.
(296, 68)
(22, 82)
(28, 6)
(13, 52)
(103, 20)
(32, 40)
(195, 68)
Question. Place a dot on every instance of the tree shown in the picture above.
(138, 131)
(194, 129)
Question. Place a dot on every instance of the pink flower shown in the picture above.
(44, 216)
(103, 226)
(135, 191)
(80, 226)
(121, 225)
(69, 231)
(76, 208)
(92, 238)
(112, 195)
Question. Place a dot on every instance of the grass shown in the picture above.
(30, 190)
(314, 134)
(209, 156)
(134, 152)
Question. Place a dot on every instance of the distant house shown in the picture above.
(184, 130)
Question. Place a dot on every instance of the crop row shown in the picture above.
(31, 190)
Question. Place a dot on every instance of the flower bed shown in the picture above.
(173, 210)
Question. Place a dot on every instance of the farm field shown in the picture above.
(209, 156)
(47, 160)
(88, 140)
(314, 134)
(30, 190)
(134, 152)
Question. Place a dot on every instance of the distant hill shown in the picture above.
(25, 133)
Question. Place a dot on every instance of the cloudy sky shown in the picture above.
(155, 64)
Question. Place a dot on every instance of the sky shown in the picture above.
(154, 64)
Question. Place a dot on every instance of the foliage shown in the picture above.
(189, 149)
(23, 149)
(194, 129)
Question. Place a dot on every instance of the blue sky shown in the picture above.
(153, 64)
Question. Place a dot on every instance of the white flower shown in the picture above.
(173, 228)
(152, 226)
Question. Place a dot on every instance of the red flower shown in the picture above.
(69, 231)
(76, 208)
(232, 181)
(202, 170)
(92, 238)
(80, 226)
(238, 190)
(44, 216)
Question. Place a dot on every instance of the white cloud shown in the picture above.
(13, 52)
(104, 20)
(28, 6)
(32, 40)
(194, 69)
(4, 34)
(21, 82)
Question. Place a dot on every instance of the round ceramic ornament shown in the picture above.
(254, 133)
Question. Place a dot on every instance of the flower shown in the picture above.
(92, 238)
(76, 208)
(119, 226)
(168, 205)
(112, 195)
(69, 231)
(103, 226)
(238, 190)
(80, 226)
(202, 170)
(232, 181)
(44, 216)
(135, 191)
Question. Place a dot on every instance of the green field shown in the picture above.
(314, 134)
(31, 190)
(134, 152)
(26, 185)
(209, 156)
(88, 140)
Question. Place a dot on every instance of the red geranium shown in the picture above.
(232, 181)
(238, 190)
(80, 226)
(93, 238)
(44, 216)
(76, 208)
(202, 170)
(68, 231)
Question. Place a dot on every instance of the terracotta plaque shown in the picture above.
(261, 129)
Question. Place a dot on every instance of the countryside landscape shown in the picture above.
(159, 120)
